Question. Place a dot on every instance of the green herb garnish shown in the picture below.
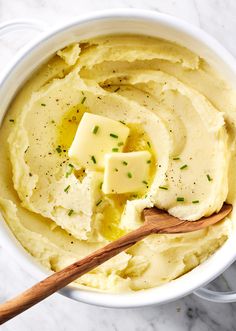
(115, 149)
(11, 120)
(58, 149)
(93, 159)
(116, 169)
(163, 188)
(209, 178)
(95, 129)
(144, 182)
(83, 100)
(113, 135)
(195, 201)
(117, 89)
(120, 143)
(67, 189)
(69, 172)
(180, 199)
(183, 167)
(100, 186)
(43, 104)
(176, 158)
(129, 174)
(148, 143)
(98, 203)
(122, 122)
(70, 212)
(125, 163)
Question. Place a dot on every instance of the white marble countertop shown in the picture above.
(218, 18)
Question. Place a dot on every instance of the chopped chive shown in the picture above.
(11, 120)
(43, 104)
(120, 143)
(148, 143)
(195, 201)
(93, 159)
(83, 100)
(180, 199)
(129, 174)
(122, 122)
(68, 173)
(52, 121)
(113, 135)
(100, 186)
(70, 212)
(58, 149)
(163, 188)
(148, 161)
(209, 178)
(183, 167)
(125, 163)
(176, 158)
(115, 150)
(144, 182)
(98, 203)
(95, 129)
(116, 169)
(67, 189)
(117, 89)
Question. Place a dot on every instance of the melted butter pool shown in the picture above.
(69, 124)
(114, 204)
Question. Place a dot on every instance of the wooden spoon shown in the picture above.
(156, 221)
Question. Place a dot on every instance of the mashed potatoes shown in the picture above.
(176, 108)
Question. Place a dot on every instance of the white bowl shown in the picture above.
(110, 22)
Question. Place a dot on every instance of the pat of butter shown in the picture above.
(126, 172)
(97, 135)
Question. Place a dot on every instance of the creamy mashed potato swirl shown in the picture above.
(175, 106)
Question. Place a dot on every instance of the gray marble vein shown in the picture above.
(218, 18)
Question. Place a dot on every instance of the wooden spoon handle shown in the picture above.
(59, 279)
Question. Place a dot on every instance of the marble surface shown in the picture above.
(217, 17)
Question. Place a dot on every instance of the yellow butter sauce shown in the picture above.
(112, 205)
(69, 124)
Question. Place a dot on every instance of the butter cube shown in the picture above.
(97, 135)
(126, 172)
